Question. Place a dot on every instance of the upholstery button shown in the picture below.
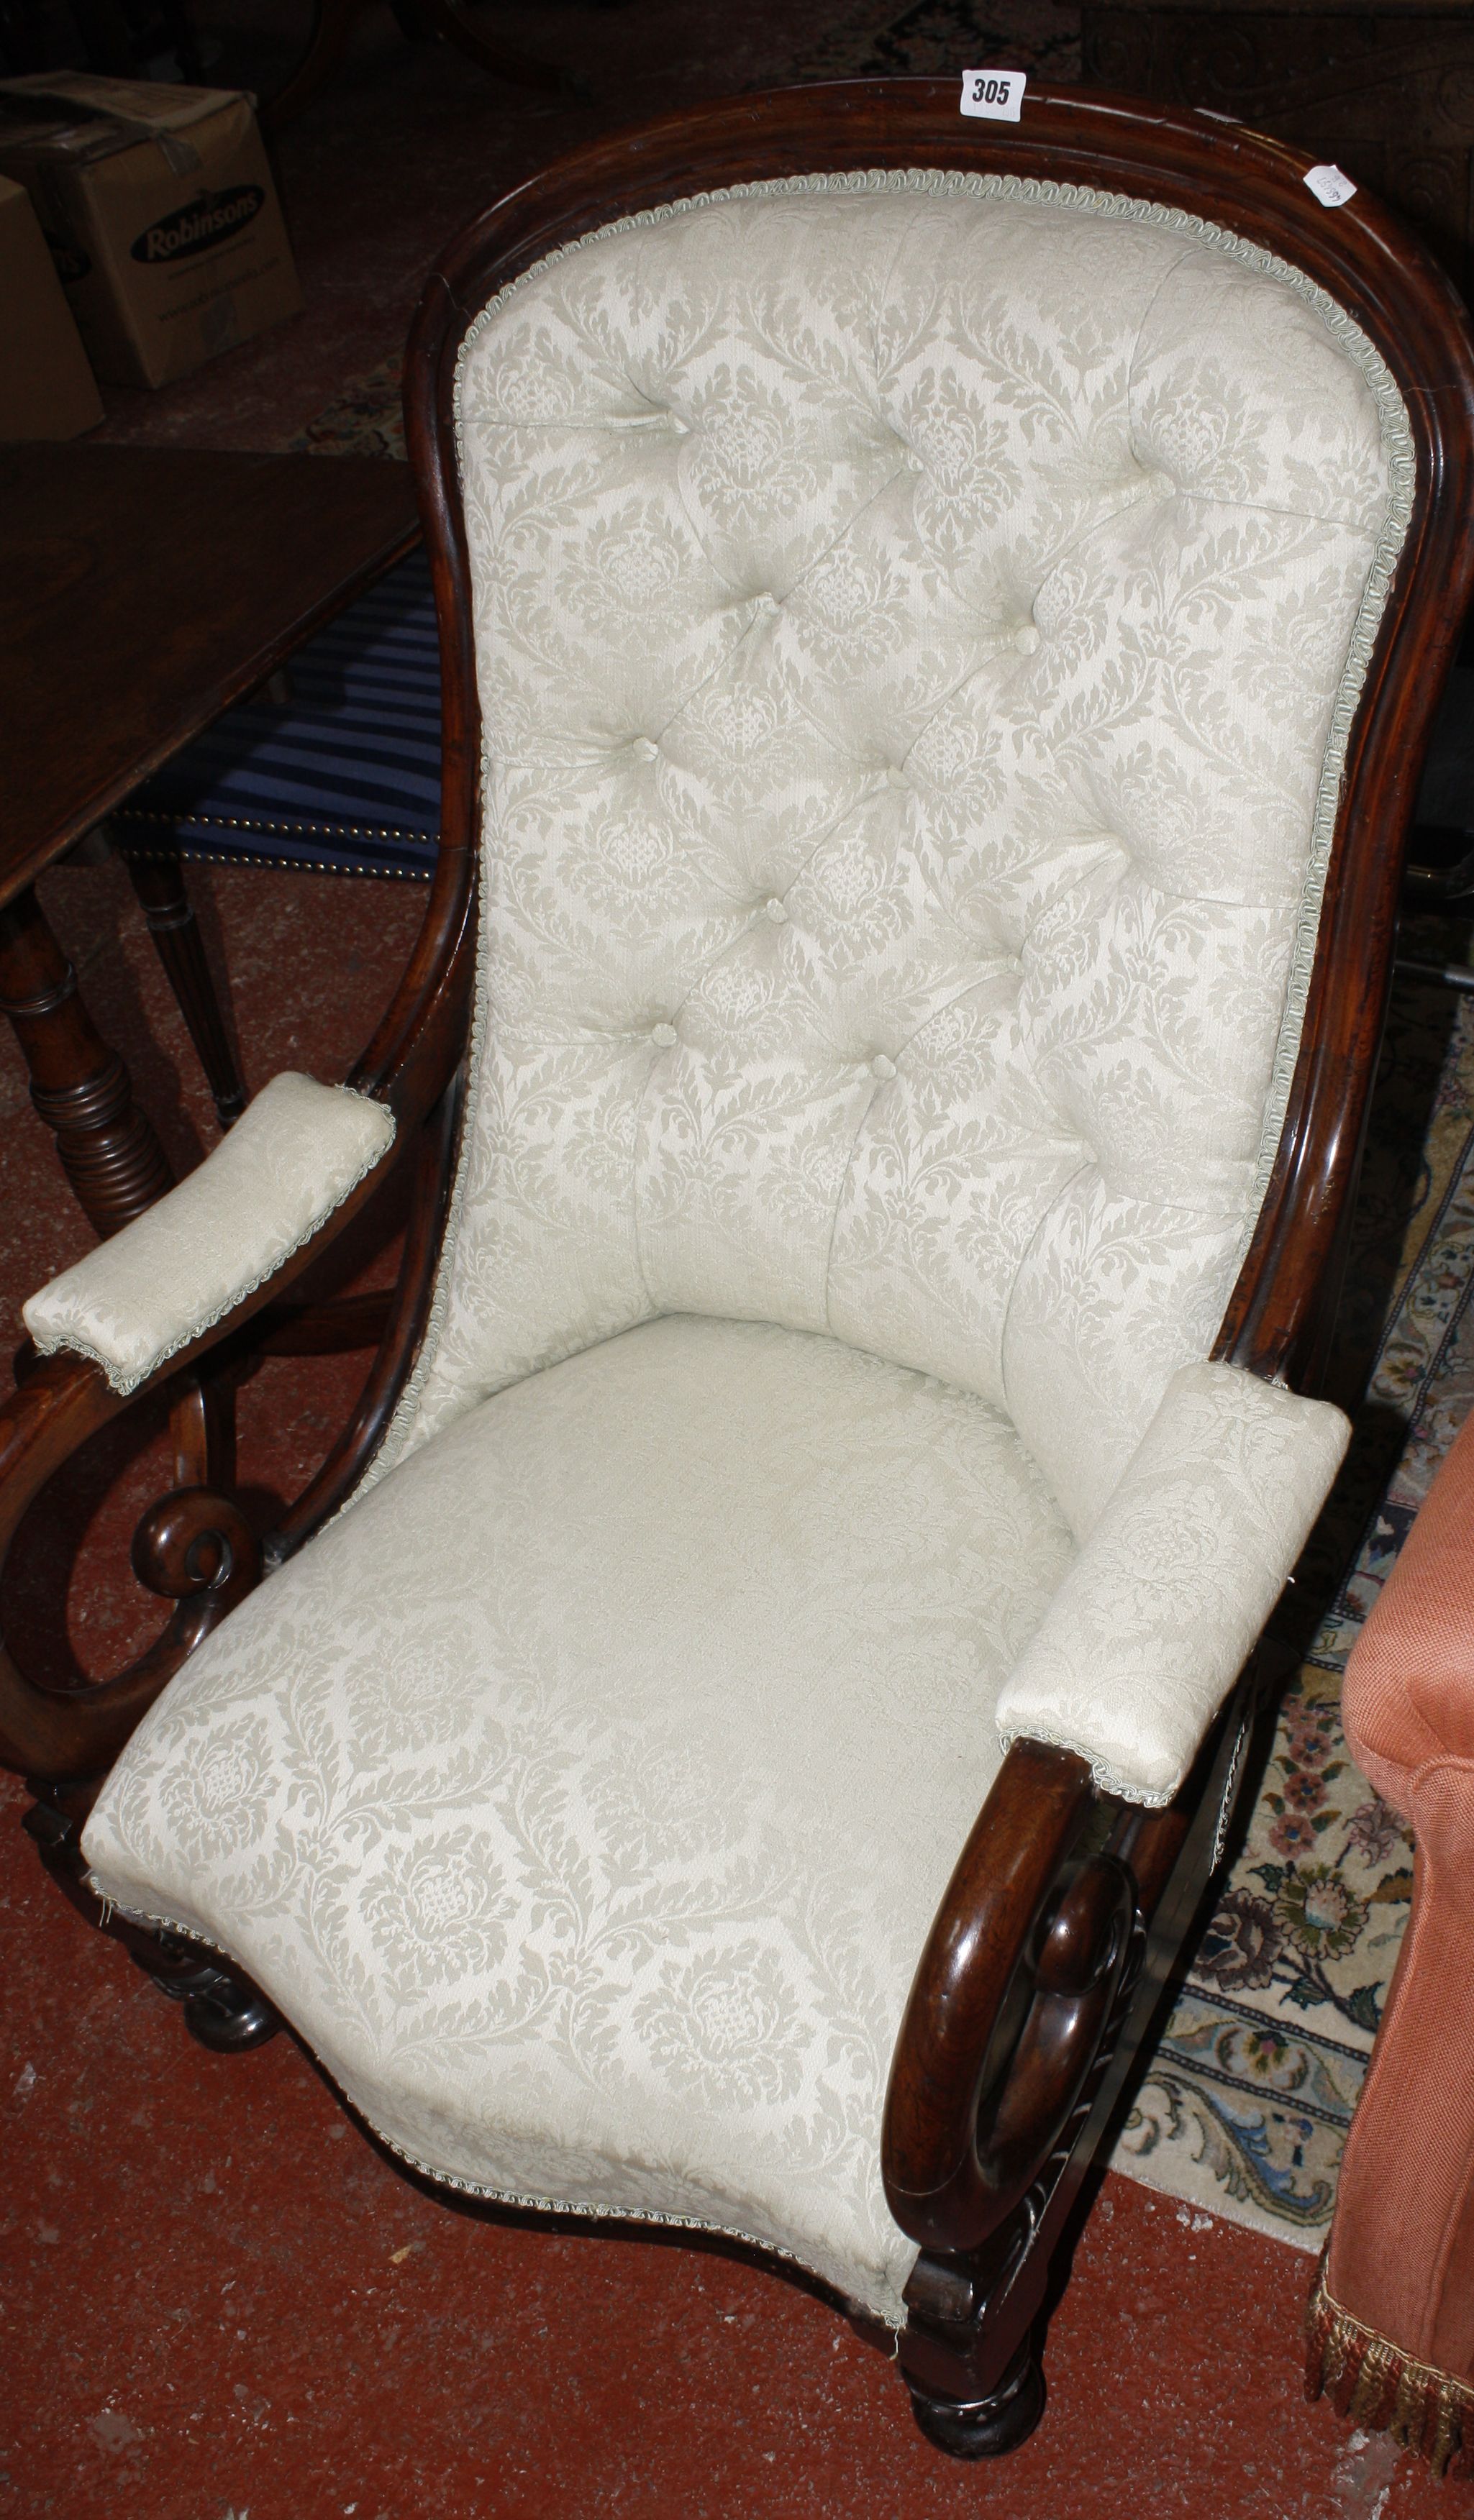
(883, 1067)
(896, 777)
(765, 604)
(776, 911)
(663, 1036)
(1026, 640)
(643, 749)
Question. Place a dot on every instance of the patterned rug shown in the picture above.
(933, 38)
(367, 420)
(1245, 2106)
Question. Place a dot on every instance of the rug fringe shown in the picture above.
(1377, 2385)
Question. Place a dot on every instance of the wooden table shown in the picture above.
(1382, 88)
(142, 591)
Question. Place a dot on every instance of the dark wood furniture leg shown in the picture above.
(80, 1087)
(159, 886)
(222, 2009)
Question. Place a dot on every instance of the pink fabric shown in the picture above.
(1402, 2250)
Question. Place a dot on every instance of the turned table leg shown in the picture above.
(80, 1087)
(159, 886)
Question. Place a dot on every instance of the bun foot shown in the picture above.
(228, 2018)
(226, 2015)
(987, 2427)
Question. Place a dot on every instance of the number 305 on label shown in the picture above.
(995, 96)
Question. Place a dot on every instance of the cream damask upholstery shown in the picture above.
(587, 1793)
(1160, 1608)
(918, 621)
(291, 1159)
(912, 623)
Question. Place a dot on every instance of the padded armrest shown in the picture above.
(292, 1157)
(1158, 1614)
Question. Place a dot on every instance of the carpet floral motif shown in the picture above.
(1246, 2104)
(367, 420)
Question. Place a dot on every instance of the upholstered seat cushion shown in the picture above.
(585, 1795)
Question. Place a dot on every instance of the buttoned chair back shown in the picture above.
(918, 618)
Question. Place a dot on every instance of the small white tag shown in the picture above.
(995, 96)
(1330, 187)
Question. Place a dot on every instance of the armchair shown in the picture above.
(938, 624)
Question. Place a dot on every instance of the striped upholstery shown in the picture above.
(344, 778)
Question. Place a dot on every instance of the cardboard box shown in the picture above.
(161, 213)
(46, 387)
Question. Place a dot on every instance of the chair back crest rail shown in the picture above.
(1066, 1908)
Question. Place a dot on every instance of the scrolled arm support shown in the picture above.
(61, 1403)
(194, 1548)
(1010, 2002)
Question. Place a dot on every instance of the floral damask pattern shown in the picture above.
(439, 1913)
(1167, 1599)
(915, 624)
(584, 1796)
(210, 1793)
(720, 2026)
(911, 619)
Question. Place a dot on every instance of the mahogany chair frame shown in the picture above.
(1067, 1907)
